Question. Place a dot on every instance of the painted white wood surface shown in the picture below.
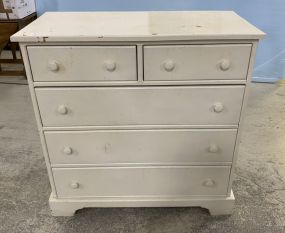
(83, 63)
(216, 204)
(151, 128)
(140, 146)
(137, 26)
(140, 105)
(141, 181)
(194, 62)
(243, 115)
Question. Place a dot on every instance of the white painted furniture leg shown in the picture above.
(67, 212)
(61, 208)
(221, 207)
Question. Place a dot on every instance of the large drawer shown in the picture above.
(142, 181)
(83, 63)
(140, 146)
(113, 106)
(196, 62)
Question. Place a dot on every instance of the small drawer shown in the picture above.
(141, 146)
(83, 63)
(196, 62)
(141, 181)
(119, 106)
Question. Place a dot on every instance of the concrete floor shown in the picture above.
(259, 184)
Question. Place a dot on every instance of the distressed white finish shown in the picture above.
(140, 105)
(83, 63)
(138, 26)
(141, 146)
(139, 109)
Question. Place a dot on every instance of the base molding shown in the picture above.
(215, 205)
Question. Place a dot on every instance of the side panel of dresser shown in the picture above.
(242, 116)
(26, 61)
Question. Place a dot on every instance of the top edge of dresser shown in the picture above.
(138, 26)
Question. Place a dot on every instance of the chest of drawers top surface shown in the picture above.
(137, 26)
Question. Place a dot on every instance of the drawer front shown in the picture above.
(106, 106)
(142, 181)
(140, 146)
(83, 63)
(196, 62)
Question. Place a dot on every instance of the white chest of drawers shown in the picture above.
(139, 108)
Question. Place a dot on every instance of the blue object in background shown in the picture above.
(264, 14)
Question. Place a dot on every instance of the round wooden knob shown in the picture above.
(53, 66)
(67, 150)
(213, 148)
(169, 65)
(225, 64)
(62, 109)
(110, 65)
(74, 185)
(209, 183)
(218, 107)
